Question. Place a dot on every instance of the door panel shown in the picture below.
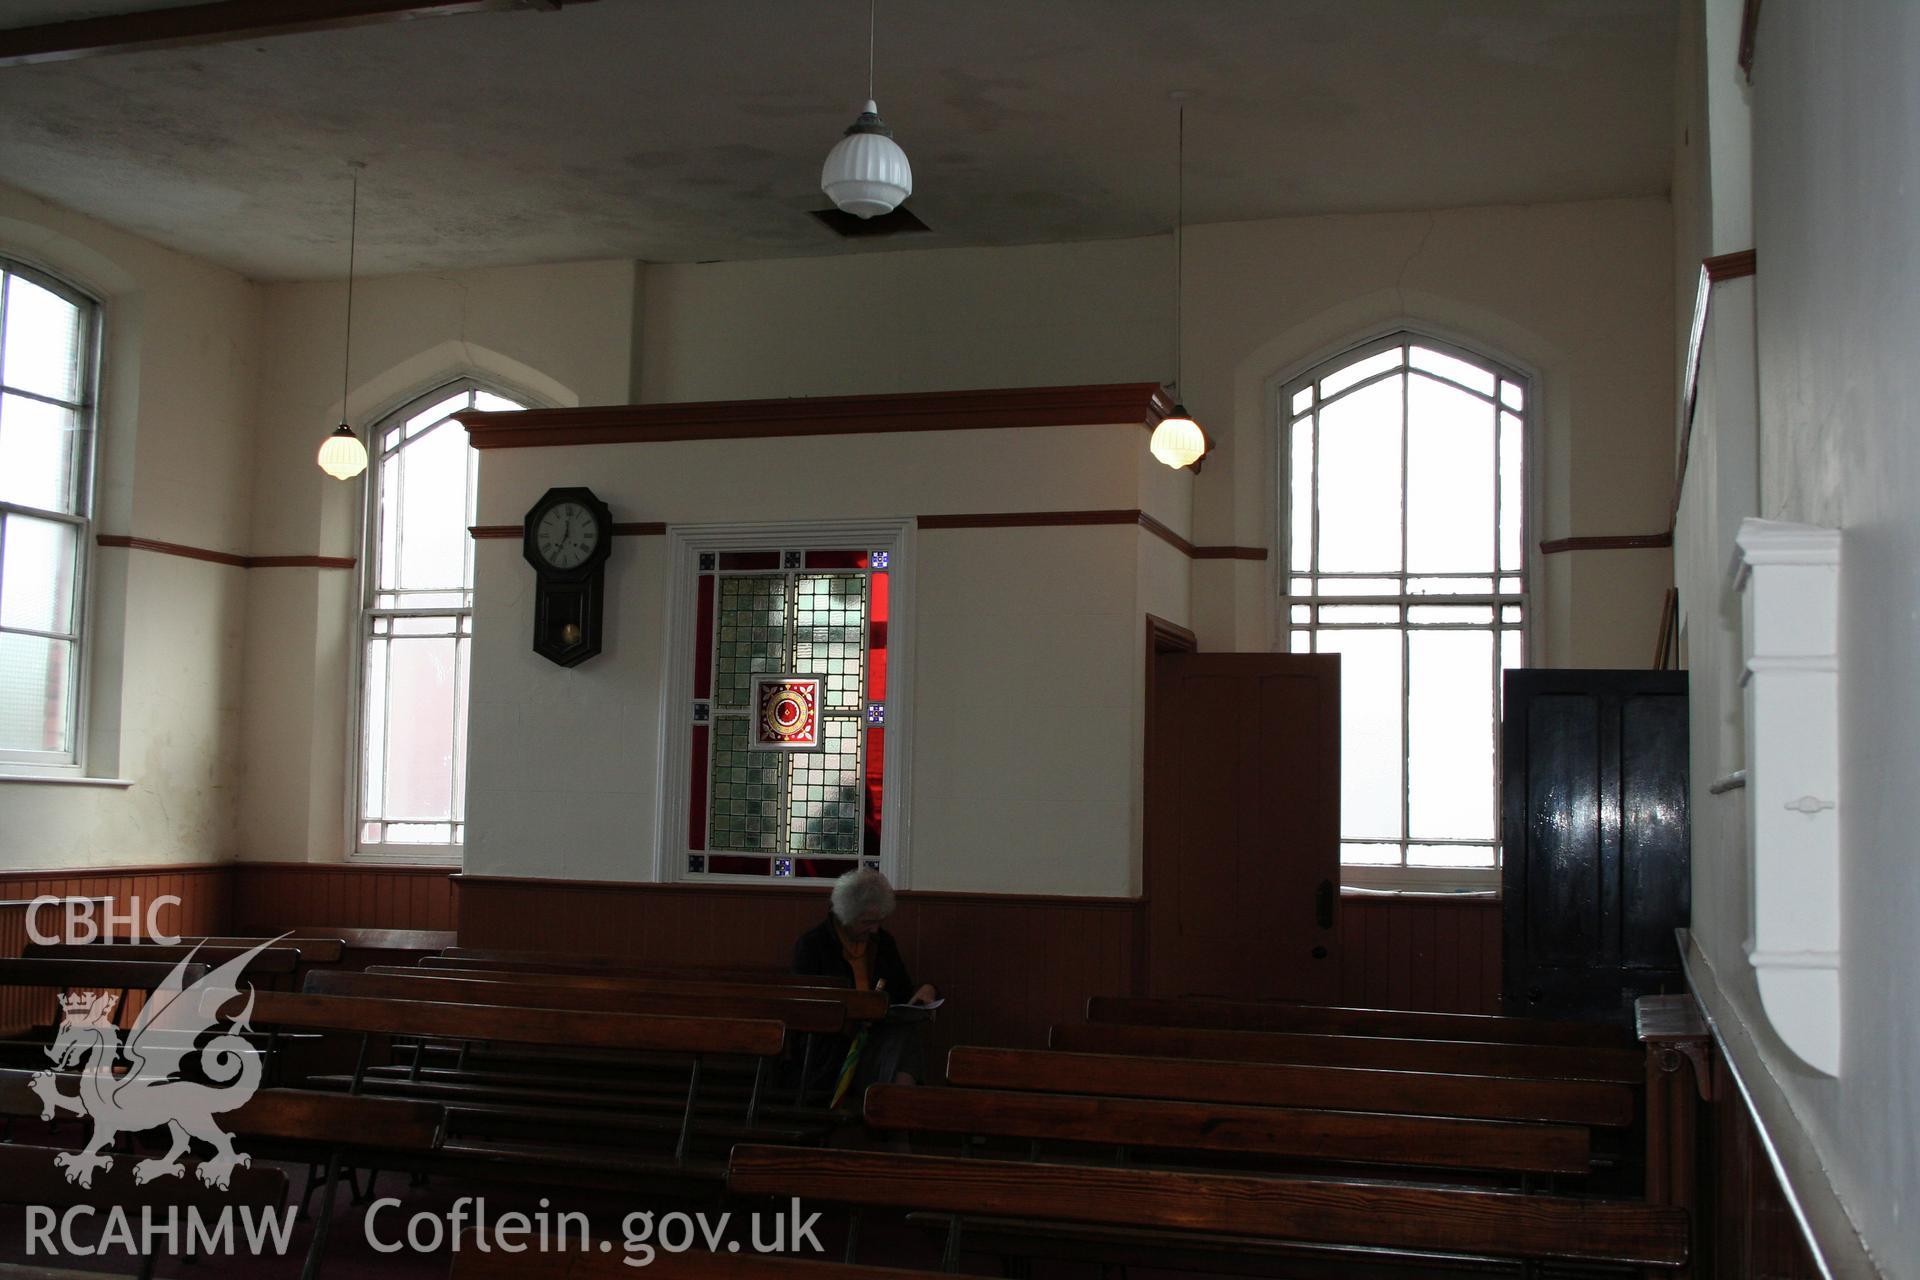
(1594, 854)
(1243, 806)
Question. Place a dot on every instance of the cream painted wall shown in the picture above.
(552, 335)
(1836, 303)
(1028, 666)
(913, 320)
(1575, 294)
(180, 352)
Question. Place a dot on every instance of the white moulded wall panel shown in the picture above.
(1789, 577)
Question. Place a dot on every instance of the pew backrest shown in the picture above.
(584, 1029)
(93, 975)
(1536, 1062)
(1392, 1216)
(1291, 1133)
(1585, 1102)
(861, 1006)
(797, 1015)
(613, 966)
(1313, 1019)
(304, 1115)
(270, 962)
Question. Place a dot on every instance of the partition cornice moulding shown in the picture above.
(229, 558)
(1122, 404)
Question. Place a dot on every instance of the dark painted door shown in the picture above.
(1243, 826)
(1594, 839)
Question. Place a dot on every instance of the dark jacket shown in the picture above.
(818, 953)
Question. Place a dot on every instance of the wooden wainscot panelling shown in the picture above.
(1010, 965)
(1751, 1227)
(201, 890)
(271, 896)
(1405, 951)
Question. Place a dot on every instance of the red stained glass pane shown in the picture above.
(697, 791)
(749, 560)
(733, 864)
(876, 768)
(822, 868)
(703, 640)
(877, 638)
(836, 559)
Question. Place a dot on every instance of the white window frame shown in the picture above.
(685, 544)
(71, 763)
(1405, 879)
(454, 854)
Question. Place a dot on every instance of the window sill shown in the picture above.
(66, 780)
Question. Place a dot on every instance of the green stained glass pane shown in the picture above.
(743, 818)
(752, 634)
(823, 815)
(829, 637)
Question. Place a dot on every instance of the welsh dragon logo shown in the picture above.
(138, 1086)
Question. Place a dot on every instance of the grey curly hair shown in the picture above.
(858, 892)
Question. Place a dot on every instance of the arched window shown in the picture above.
(48, 332)
(416, 633)
(1404, 483)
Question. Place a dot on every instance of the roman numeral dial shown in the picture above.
(566, 535)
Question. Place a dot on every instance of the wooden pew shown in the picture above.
(1022, 1200)
(312, 950)
(862, 1006)
(1538, 1062)
(1313, 1019)
(1592, 1103)
(272, 963)
(695, 1038)
(1278, 1132)
(807, 1013)
(562, 962)
(57, 976)
(93, 975)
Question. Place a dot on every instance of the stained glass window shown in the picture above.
(755, 806)
(1406, 556)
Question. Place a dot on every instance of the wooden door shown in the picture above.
(1594, 840)
(1243, 826)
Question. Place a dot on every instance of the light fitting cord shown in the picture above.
(353, 237)
(1179, 238)
(873, 7)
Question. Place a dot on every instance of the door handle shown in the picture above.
(1323, 904)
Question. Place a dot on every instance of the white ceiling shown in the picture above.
(687, 130)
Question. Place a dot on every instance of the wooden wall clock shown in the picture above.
(569, 534)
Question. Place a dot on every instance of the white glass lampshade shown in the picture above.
(866, 173)
(342, 456)
(1178, 441)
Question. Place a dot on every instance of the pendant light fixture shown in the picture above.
(866, 173)
(342, 455)
(1178, 441)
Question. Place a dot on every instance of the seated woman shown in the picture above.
(849, 945)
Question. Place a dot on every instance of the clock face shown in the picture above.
(566, 535)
